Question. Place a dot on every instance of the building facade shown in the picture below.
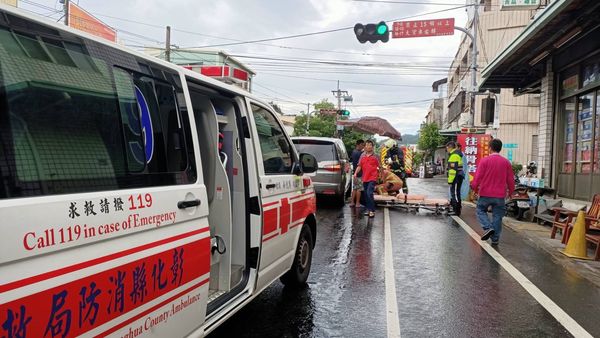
(214, 63)
(516, 117)
(558, 56)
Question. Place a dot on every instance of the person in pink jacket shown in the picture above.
(494, 181)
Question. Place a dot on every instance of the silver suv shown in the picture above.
(333, 174)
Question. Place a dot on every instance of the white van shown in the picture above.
(137, 198)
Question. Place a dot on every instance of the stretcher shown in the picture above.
(413, 203)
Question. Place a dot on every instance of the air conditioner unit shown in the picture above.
(487, 110)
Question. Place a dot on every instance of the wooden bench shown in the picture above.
(545, 213)
(564, 219)
(595, 240)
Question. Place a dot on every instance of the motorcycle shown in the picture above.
(519, 202)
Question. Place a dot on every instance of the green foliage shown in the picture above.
(430, 139)
(324, 126)
(320, 125)
(350, 137)
(417, 159)
(516, 168)
(324, 104)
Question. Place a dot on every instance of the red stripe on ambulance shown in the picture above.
(50, 274)
(76, 307)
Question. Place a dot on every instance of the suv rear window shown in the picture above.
(322, 151)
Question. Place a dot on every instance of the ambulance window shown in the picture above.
(276, 150)
(78, 128)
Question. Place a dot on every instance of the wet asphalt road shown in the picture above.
(446, 284)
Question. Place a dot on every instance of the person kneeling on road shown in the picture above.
(390, 183)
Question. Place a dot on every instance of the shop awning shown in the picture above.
(520, 65)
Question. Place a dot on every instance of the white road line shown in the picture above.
(391, 304)
(559, 314)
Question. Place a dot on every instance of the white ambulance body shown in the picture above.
(137, 198)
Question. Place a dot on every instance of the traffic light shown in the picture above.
(372, 32)
(344, 112)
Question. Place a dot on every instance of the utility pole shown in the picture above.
(66, 9)
(307, 117)
(338, 94)
(168, 45)
(474, 53)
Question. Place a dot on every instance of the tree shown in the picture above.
(324, 104)
(429, 140)
(324, 126)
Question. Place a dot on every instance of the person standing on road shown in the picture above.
(494, 181)
(456, 176)
(369, 166)
(395, 158)
(357, 185)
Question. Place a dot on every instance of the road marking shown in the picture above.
(559, 314)
(391, 304)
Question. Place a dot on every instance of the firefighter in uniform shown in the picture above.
(390, 183)
(456, 175)
(395, 159)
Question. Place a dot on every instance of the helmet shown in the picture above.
(390, 143)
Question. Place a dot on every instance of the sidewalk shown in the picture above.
(538, 236)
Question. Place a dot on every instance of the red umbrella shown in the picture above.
(372, 125)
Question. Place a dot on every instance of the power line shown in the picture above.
(390, 104)
(276, 92)
(270, 45)
(355, 82)
(324, 31)
(411, 2)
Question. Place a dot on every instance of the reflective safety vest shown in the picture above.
(455, 166)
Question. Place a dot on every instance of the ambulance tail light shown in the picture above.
(306, 182)
(333, 167)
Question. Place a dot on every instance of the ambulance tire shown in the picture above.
(300, 269)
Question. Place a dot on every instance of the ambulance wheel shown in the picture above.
(298, 274)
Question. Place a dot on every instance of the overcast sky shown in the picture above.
(402, 70)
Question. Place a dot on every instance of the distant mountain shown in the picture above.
(409, 139)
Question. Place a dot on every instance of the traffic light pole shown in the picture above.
(474, 53)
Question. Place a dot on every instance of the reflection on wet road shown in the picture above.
(446, 285)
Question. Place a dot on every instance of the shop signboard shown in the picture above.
(423, 28)
(83, 21)
(519, 4)
(474, 147)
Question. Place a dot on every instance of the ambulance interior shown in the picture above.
(223, 171)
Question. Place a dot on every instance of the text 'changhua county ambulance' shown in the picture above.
(137, 198)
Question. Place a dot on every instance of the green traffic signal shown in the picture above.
(344, 112)
(372, 32)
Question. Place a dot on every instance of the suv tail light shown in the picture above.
(333, 167)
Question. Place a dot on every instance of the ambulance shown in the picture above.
(137, 198)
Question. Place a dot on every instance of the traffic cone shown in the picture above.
(576, 247)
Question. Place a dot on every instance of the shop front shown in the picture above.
(558, 56)
(578, 130)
